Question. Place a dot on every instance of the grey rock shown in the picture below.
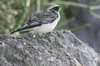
(2, 46)
(59, 48)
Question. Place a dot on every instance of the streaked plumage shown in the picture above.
(44, 21)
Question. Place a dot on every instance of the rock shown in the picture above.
(59, 48)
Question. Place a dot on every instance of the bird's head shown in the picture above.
(52, 7)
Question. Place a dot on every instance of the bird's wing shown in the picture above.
(43, 18)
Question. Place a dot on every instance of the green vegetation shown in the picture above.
(13, 13)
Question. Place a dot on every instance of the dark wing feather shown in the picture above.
(43, 18)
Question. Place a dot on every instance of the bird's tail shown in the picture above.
(13, 32)
(19, 29)
(26, 27)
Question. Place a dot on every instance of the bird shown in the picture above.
(42, 22)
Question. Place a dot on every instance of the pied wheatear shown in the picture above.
(42, 22)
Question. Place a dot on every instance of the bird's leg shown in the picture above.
(34, 36)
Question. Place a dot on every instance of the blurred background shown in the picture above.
(82, 17)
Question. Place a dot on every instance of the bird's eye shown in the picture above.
(55, 8)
